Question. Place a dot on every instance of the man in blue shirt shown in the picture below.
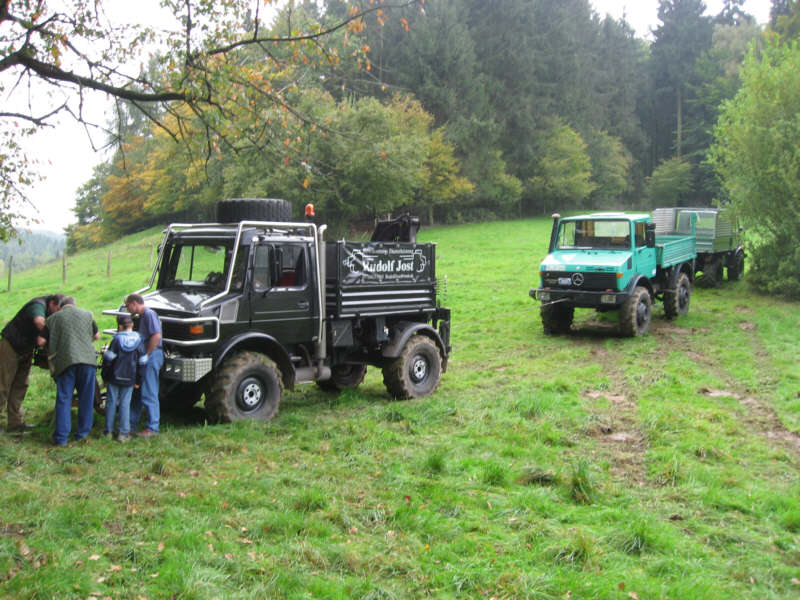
(149, 327)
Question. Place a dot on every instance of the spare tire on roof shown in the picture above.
(234, 210)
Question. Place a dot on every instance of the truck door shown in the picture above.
(644, 258)
(283, 292)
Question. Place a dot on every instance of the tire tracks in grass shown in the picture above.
(615, 427)
(757, 414)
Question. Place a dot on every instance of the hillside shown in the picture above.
(578, 466)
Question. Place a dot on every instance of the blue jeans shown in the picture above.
(149, 393)
(119, 396)
(81, 378)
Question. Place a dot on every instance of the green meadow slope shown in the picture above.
(579, 466)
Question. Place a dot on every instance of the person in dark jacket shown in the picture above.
(21, 335)
(123, 367)
(73, 363)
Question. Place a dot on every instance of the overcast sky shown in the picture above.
(67, 157)
(643, 14)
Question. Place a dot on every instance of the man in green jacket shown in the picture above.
(21, 335)
(73, 363)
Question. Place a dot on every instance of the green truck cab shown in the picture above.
(614, 261)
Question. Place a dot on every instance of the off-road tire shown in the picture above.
(736, 269)
(234, 210)
(677, 303)
(712, 273)
(635, 313)
(247, 385)
(557, 318)
(344, 377)
(416, 372)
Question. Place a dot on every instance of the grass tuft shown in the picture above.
(435, 462)
(576, 552)
(494, 474)
(790, 520)
(537, 476)
(163, 467)
(637, 539)
(581, 485)
(310, 501)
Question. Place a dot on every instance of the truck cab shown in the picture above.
(607, 261)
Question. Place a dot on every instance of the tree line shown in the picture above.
(464, 110)
(459, 110)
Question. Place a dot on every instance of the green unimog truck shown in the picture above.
(719, 243)
(614, 261)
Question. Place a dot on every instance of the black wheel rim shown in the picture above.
(683, 298)
(419, 368)
(642, 313)
(251, 394)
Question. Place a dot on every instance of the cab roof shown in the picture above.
(616, 216)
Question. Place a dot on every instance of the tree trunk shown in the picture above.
(679, 135)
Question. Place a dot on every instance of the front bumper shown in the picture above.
(580, 298)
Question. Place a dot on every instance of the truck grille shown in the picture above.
(591, 281)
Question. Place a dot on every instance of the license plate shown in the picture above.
(608, 299)
(564, 281)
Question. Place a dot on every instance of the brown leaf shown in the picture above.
(94, 557)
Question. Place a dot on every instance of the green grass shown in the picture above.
(581, 466)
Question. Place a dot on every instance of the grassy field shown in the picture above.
(580, 466)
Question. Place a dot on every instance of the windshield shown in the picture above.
(594, 234)
(201, 264)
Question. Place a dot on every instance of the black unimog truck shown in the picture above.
(255, 304)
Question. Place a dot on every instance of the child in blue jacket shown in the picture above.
(123, 366)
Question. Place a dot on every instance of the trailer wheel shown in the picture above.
(416, 372)
(557, 318)
(634, 316)
(736, 269)
(677, 302)
(247, 386)
(344, 377)
(712, 273)
(234, 210)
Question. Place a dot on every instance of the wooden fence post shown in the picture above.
(64, 267)
(10, 269)
(108, 265)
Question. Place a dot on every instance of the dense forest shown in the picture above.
(459, 110)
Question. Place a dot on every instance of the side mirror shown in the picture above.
(650, 235)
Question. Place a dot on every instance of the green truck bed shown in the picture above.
(675, 249)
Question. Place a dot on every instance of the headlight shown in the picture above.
(544, 296)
